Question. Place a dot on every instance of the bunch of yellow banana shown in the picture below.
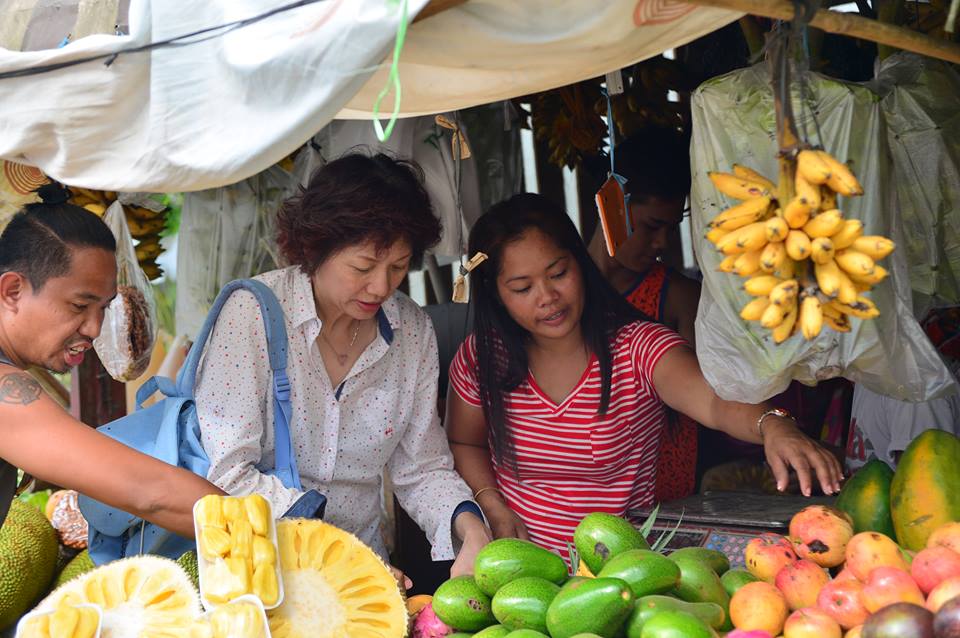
(145, 224)
(66, 621)
(234, 541)
(806, 265)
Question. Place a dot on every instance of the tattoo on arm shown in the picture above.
(19, 388)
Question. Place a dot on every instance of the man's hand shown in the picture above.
(475, 535)
(402, 579)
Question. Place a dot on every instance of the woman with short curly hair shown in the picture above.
(362, 363)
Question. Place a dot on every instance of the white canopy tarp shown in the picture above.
(214, 113)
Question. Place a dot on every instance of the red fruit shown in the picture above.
(946, 624)
(841, 600)
(767, 554)
(758, 606)
(845, 574)
(889, 585)
(427, 625)
(869, 550)
(811, 622)
(822, 534)
(933, 565)
(945, 591)
(800, 583)
(854, 632)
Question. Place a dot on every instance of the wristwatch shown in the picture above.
(774, 412)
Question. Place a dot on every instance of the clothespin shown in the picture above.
(460, 283)
(458, 143)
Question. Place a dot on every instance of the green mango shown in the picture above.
(676, 624)
(594, 605)
(600, 536)
(700, 584)
(493, 631)
(507, 559)
(523, 603)
(459, 634)
(526, 633)
(646, 571)
(572, 581)
(649, 606)
(718, 561)
(460, 605)
(585, 636)
(735, 579)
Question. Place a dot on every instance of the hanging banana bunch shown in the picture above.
(145, 223)
(805, 265)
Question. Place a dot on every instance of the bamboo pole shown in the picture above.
(846, 24)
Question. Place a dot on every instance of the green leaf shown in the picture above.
(648, 524)
(574, 558)
(665, 538)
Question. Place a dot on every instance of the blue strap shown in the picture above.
(151, 385)
(285, 463)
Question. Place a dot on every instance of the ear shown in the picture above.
(13, 288)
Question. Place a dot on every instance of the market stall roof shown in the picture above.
(224, 108)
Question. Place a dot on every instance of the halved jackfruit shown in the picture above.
(335, 586)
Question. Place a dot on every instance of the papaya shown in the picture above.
(523, 603)
(647, 607)
(717, 560)
(507, 559)
(646, 571)
(925, 491)
(599, 537)
(866, 498)
(460, 604)
(676, 624)
(593, 605)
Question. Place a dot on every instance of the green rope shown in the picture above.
(393, 80)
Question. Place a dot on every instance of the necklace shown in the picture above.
(342, 358)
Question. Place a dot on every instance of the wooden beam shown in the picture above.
(436, 6)
(849, 24)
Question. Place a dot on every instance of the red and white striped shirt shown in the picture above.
(570, 460)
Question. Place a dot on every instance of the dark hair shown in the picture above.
(37, 241)
(500, 342)
(656, 163)
(356, 199)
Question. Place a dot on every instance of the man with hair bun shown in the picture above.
(58, 274)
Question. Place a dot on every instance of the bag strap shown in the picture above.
(285, 463)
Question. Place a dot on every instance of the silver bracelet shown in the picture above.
(774, 412)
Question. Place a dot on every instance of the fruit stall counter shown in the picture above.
(724, 521)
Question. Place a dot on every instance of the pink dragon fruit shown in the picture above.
(427, 625)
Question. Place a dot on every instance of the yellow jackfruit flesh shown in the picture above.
(209, 513)
(141, 597)
(334, 586)
(214, 542)
(258, 513)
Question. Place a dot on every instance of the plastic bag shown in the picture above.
(733, 121)
(129, 324)
(921, 106)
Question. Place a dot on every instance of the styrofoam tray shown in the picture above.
(250, 598)
(203, 564)
(48, 612)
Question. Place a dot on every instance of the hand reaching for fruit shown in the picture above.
(785, 447)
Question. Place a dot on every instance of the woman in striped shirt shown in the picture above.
(558, 394)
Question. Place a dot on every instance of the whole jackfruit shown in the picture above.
(80, 564)
(139, 597)
(28, 560)
(189, 564)
(334, 586)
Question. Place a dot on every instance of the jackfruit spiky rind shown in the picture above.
(28, 560)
